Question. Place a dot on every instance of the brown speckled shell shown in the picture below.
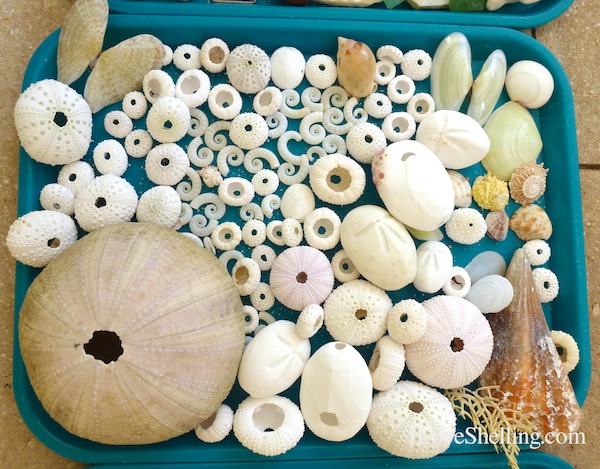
(528, 183)
(531, 222)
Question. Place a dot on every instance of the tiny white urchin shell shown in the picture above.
(416, 64)
(538, 251)
(138, 143)
(192, 87)
(187, 57)
(407, 321)
(301, 276)
(321, 71)
(105, 200)
(110, 157)
(337, 179)
(57, 197)
(466, 226)
(118, 124)
(456, 347)
(54, 123)
(213, 54)
(365, 140)
(248, 68)
(166, 164)
(157, 84)
(309, 321)
(386, 363)
(76, 175)
(267, 101)
(567, 349)
(249, 130)
(344, 269)
(546, 284)
(159, 204)
(356, 312)
(236, 191)
(217, 426)
(412, 420)
(287, 67)
(168, 120)
(135, 104)
(322, 228)
(246, 275)
(37, 237)
(268, 426)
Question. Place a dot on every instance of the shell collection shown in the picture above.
(288, 229)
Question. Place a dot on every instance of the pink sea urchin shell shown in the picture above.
(456, 346)
(300, 276)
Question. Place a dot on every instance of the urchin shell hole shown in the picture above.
(301, 277)
(190, 84)
(241, 275)
(360, 314)
(323, 228)
(104, 346)
(340, 345)
(329, 418)
(404, 317)
(53, 243)
(206, 424)
(416, 407)
(457, 344)
(339, 179)
(100, 202)
(60, 119)
(268, 417)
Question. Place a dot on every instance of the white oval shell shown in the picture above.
(529, 83)
(273, 360)
(434, 266)
(485, 263)
(491, 294)
(297, 202)
(287, 67)
(455, 138)
(369, 235)
(414, 185)
(336, 392)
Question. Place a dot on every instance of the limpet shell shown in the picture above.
(531, 222)
(497, 225)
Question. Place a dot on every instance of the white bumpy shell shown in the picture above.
(268, 426)
(387, 363)
(54, 123)
(57, 197)
(407, 321)
(217, 426)
(248, 68)
(159, 204)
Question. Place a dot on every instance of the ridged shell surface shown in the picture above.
(491, 294)
(531, 222)
(336, 392)
(528, 183)
(462, 189)
(456, 347)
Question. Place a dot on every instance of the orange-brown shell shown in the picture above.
(356, 66)
(531, 222)
(528, 183)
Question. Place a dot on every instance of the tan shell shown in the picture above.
(356, 67)
(497, 225)
(531, 222)
(528, 183)
(165, 364)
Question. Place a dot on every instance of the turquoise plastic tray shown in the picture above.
(516, 15)
(556, 121)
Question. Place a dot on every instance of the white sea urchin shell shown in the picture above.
(287, 67)
(456, 346)
(300, 276)
(248, 68)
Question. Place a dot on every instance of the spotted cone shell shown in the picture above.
(133, 335)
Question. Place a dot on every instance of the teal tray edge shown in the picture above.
(53, 436)
(519, 16)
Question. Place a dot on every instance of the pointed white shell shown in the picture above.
(434, 265)
(273, 360)
(414, 185)
(491, 294)
(369, 234)
(335, 392)
(529, 83)
(455, 138)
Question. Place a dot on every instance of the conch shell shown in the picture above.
(525, 362)
(356, 67)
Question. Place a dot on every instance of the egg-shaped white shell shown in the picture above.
(485, 263)
(379, 246)
(297, 202)
(529, 83)
(287, 67)
(336, 392)
(273, 360)
(491, 294)
(455, 138)
(414, 185)
(434, 266)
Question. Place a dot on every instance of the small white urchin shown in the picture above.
(356, 312)
(110, 157)
(337, 179)
(135, 104)
(412, 420)
(57, 197)
(309, 321)
(268, 426)
(322, 228)
(224, 101)
(166, 164)
(249, 130)
(466, 226)
(344, 269)
(407, 321)
(567, 349)
(118, 124)
(35, 238)
(248, 68)
(76, 175)
(157, 84)
(54, 123)
(246, 275)
(387, 363)
(213, 54)
(537, 251)
(300, 276)
(105, 200)
(168, 120)
(192, 87)
(364, 141)
(321, 71)
(416, 64)
(138, 143)
(546, 284)
(159, 204)
(187, 57)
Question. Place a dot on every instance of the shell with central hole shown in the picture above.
(356, 67)
(336, 392)
(118, 363)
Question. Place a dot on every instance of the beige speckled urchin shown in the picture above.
(37, 237)
(412, 420)
(166, 164)
(81, 38)
(456, 346)
(121, 69)
(165, 365)
(268, 426)
(248, 68)
(54, 123)
(104, 201)
(159, 204)
(168, 119)
(356, 312)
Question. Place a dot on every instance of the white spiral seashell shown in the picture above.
(434, 266)
(287, 67)
(485, 263)
(269, 426)
(274, 360)
(491, 294)
(335, 392)
(386, 363)
(198, 123)
(217, 426)
(412, 420)
(529, 83)
(456, 346)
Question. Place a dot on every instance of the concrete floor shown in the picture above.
(574, 39)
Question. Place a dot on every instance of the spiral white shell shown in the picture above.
(217, 426)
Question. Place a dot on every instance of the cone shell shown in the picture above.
(531, 222)
(356, 67)
(525, 362)
(528, 183)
